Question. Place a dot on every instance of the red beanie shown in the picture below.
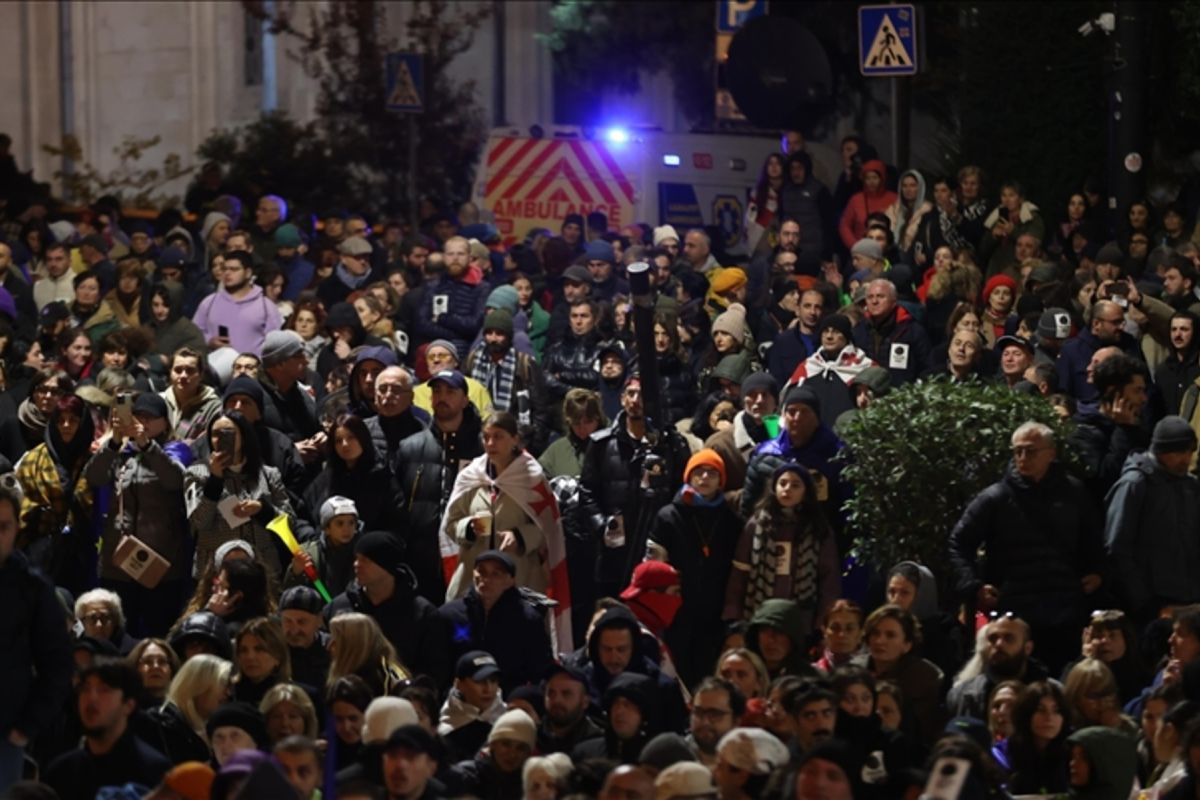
(998, 280)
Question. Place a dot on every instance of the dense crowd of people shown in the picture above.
(319, 505)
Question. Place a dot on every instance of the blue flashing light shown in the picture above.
(617, 135)
(670, 160)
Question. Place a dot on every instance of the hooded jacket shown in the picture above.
(811, 205)
(789, 618)
(177, 330)
(670, 698)
(642, 692)
(819, 454)
(1150, 528)
(863, 204)
(907, 221)
(464, 299)
(1112, 758)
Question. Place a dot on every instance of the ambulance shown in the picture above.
(535, 180)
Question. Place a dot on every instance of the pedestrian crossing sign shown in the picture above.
(405, 91)
(887, 40)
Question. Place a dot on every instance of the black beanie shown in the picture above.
(840, 322)
(239, 715)
(382, 548)
(244, 384)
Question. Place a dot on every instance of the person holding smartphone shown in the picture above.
(235, 495)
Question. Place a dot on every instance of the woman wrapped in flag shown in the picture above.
(503, 501)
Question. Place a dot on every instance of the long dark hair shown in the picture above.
(251, 454)
(700, 425)
(356, 426)
(249, 577)
(764, 183)
(1022, 752)
(767, 511)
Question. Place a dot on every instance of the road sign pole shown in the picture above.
(901, 121)
(413, 213)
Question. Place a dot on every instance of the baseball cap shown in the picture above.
(477, 665)
(452, 377)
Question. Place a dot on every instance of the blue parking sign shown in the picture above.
(733, 14)
(887, 40)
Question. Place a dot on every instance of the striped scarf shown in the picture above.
(497, 377)
(764, 563)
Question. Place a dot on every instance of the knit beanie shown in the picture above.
(706, 457)
(245, 385)
(504, 297)
(1055, 323)
(761, 381)
(336, 506)
(664, 232)
(279, 346)
(733, 322)
(869, 248)
(384, 715)
(191, 780)
(752, 750)
(998, 280)
(599, 250)
(239, 715)
(499, 319)
(664, 750)
(1172, 434)
(384, 549)
(515, 726)
(801, 394)
(1110, 254)
(684, 780)
(840, 323)
(445, 344)
(728, 280)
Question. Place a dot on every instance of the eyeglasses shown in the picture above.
(97, 617)
(48, 390)
(710, 714)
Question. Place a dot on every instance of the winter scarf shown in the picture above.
(764, 562)
(497, 377)
(458, 713)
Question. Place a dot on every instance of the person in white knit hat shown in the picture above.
(497, 769)
(746, 757)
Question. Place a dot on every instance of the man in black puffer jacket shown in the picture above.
(571, 363)
(614, 505)
(1044, 549)
(427, 464)
(385, 589)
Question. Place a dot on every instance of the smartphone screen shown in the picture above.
(223, 331)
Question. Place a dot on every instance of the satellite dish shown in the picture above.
(779, 74)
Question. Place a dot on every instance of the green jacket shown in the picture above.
(1112, 756)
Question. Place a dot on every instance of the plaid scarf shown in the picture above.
(764, 563)
(496, 376)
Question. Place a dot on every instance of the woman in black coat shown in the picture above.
(678, 381)
(357, 471)
(699, 532)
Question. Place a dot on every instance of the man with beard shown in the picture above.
(1179, 284)
(1181, 367)
(717, 706)
(514, 380)
(427, 464)
(630, 470)
(238, 314)
(735, 444)
(813, 708)
(566, 722)
(1007, 658)
(794, 345)
(1106, 322)
(452, 308)
(110, 754)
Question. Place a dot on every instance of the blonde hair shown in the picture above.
(198, 676)
(755, 661)
(291, 693)
(358, 643)
(1091, 676)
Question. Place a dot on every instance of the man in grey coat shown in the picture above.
(1153, 516)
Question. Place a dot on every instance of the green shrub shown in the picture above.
(918, 456)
